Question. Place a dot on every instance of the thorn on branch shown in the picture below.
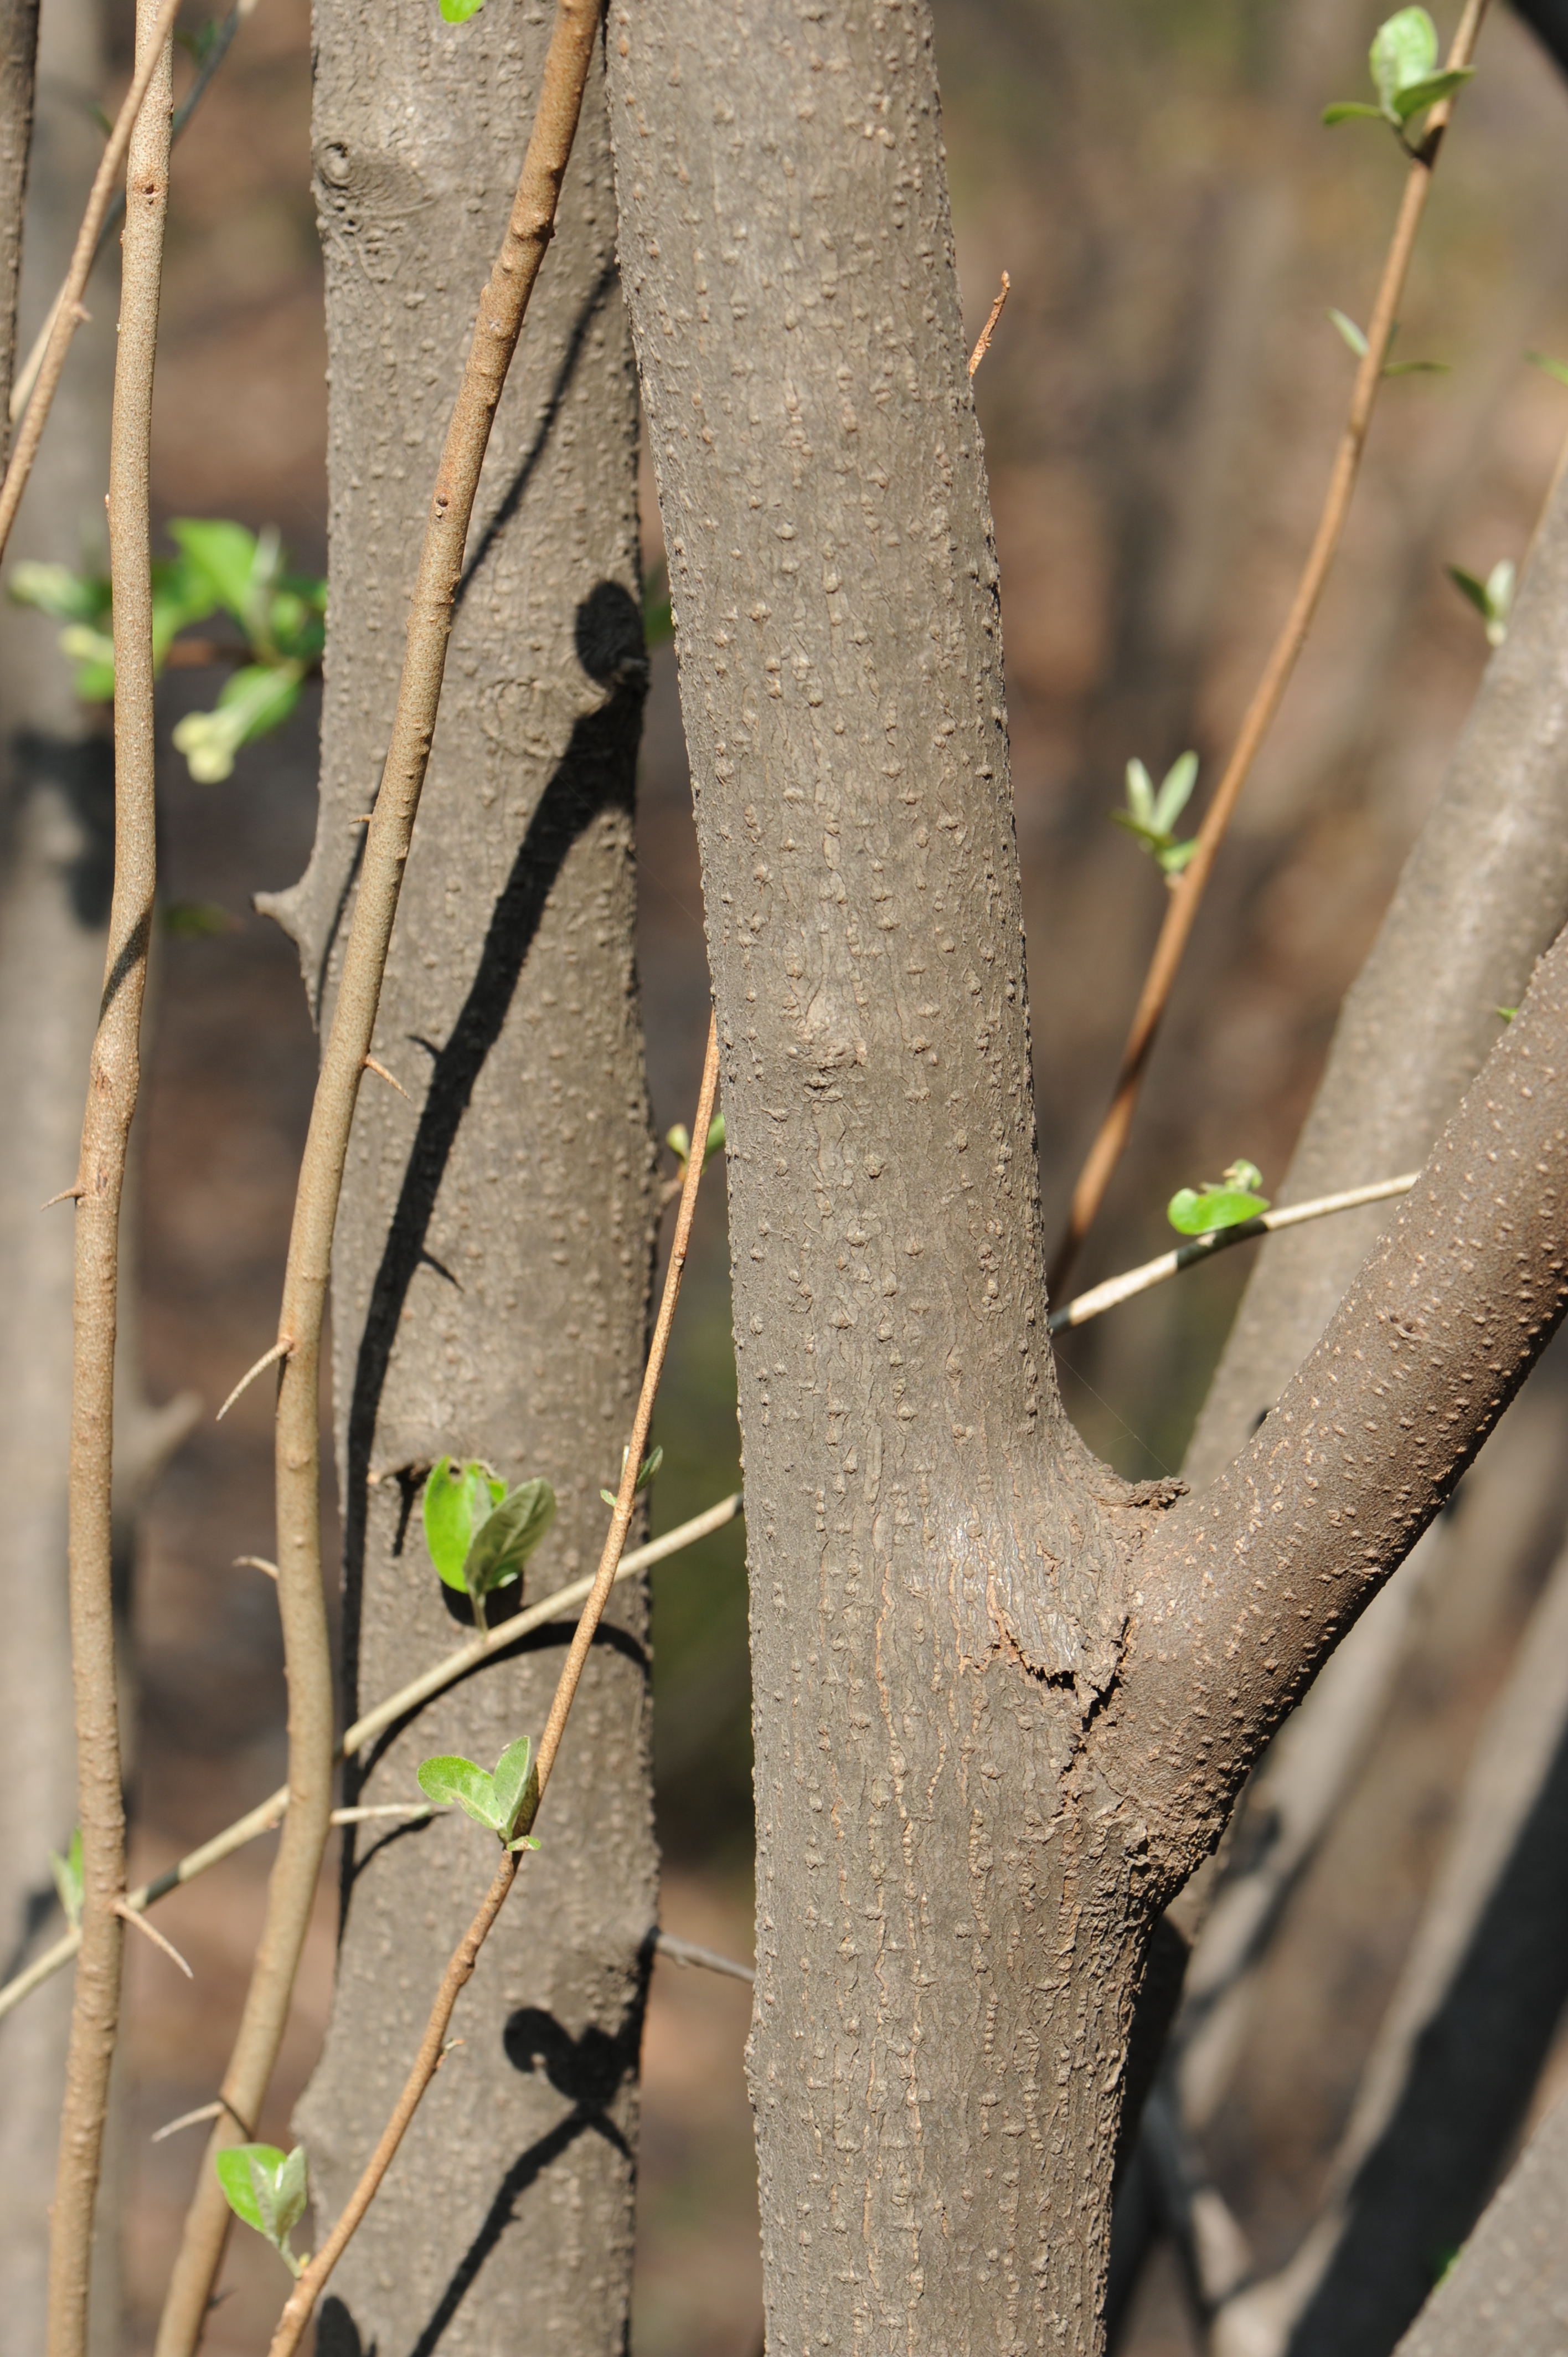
(983, 344)
(66, 1195)
(255, 1563)
(130, 1914)
(268, 1358)
(391, 1078)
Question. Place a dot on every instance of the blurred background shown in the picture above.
(1160, 406)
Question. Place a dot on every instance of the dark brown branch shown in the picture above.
(1247, 1589)
(18, 60)
(114, 1079)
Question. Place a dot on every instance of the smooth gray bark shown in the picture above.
(1002, 1707)
(56, 819)
(1483, 893)
(491, 1273)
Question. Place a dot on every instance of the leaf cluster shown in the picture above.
(222, 569)
(679, 1141)
(480, 1533)
(645, 1472)
(1492, 598)
(504, 1799)
(1405, 74)
(267, 2190)
(1151, 815)
(1222, 1203)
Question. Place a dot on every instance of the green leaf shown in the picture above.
(1403, 53)
(716, 1144)
(93, 651)
(679, 1140)
(1175, 792)
(508, 1536)
(1346, 110)
(1416, 97)
(1507, 1013)
(55, 589)
(1469, 586)
(1194, 1212)
(657, 620)
(1417, 368)
(457, 12)
(1174, 856)
(1139, 795)
(67, 1872)
(645, 1473)
(517, 1787)
(223, 553)
(194, 921)
(1352, 334)
(267, 2190)
(254, 702)
(234, 2175)
(455, 1495)
(1492, 598)
(1559, 368)
(449, 1778)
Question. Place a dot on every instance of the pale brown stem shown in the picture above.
(1187, 895)
(113, 1077)
(983, 341)
(302, 2300)
(292, 1890)
(68, 312)
(268, 1814)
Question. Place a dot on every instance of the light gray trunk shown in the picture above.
(54, 899)
(490, 1284)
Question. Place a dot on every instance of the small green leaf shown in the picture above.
(1469, 586)
(233, 2168)
(94, 652)
(679, 1141)
(266, 2190)
(454, 1494)
(1416, 97)
(449, 1778)
(1346, 110)
(1403, 53)
(1352, 334)
(517, 1787)
(1559, 368)
(508, 1536)
(55, 589)
(224, 555)
(1139, 795)
(257, 700)
(645, 1473)
(657, 620)
(1174, 793)
(1241, 1173)
(716, 1144)
(457, 12)
(1417, 368)
(1507, 1013)
(1174, 856)
(67, 1872)
(1197, 1212)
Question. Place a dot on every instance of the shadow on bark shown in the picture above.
(589, 2072)
(81, 772)
(595, 774)
(1423, 2185)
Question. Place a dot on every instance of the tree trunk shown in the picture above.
(54, 904)
(1002, 1707)
(490, 1284)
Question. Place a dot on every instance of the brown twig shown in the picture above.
(1187, 892)
(502, 306)
(69, 313)
(268, 1814)
(297, 2311)
(113, 1077)
(982, 344)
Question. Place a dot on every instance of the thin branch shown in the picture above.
(1181, 912)
(28, 374)
(300, 1604)
(297, 2311)
(69, 312)
(187, 2120)
(268, 1359)
(1116, 1289)
(255, 1563)
(686, 1952)
(114, 1079)
(268, 1813)
(390, 1079)
(982, 342)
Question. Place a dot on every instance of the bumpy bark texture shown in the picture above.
(19, 55)
(1509, 2295)
(1002, 1702)
(490, 1282)
(1483, 893)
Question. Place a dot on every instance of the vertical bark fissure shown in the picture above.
(113, 1077)
(491, 1271)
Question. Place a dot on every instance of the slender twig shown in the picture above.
(28, 374)
(1187, 892)
(113, 1078)
(982, 342)
(297, 2311)
(307, 1657)
(268, 1813)
(68, 311)
(268, 1359)
(203, 2112)
(686, 1952)
(139, 1922)
(1116, 1289)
